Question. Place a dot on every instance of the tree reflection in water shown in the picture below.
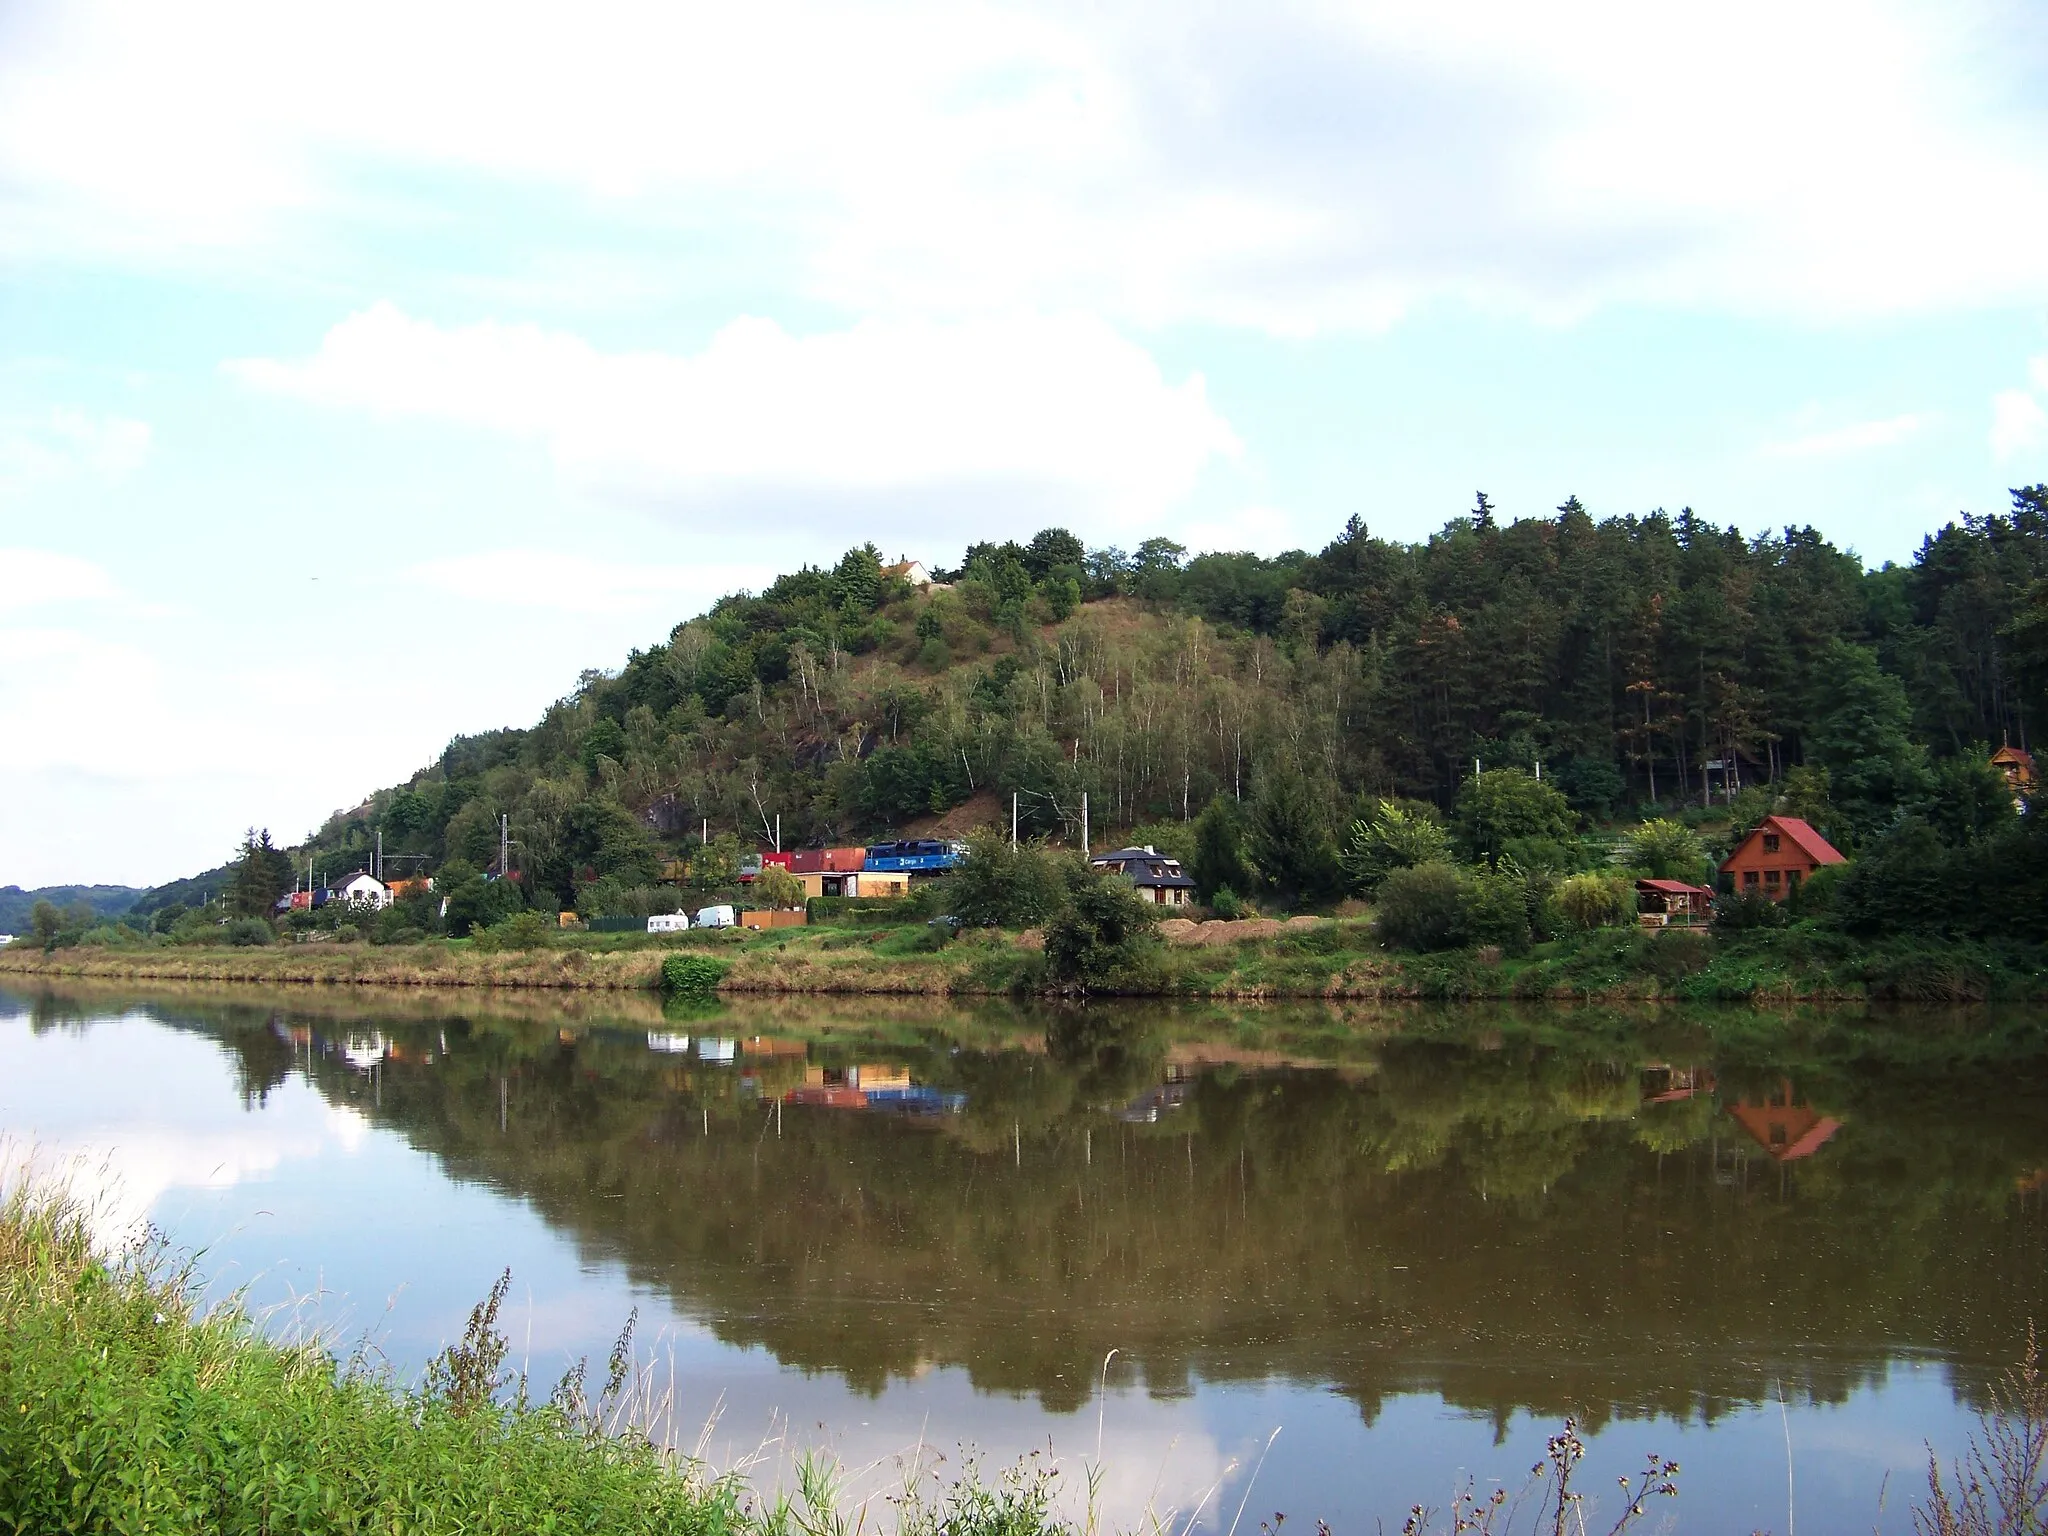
(1557, 1210)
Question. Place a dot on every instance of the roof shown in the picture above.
(1674, 887)
(1144, 867)
(343, 882)
(1804, 838)
(2018, 755)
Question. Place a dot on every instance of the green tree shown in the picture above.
(857, 580)
(262, 875)
(1591, 901)
(998, 886)
(1218, 863)
(777, 889)
(1862, 735)
(1287, 836)
(1966, 798)
(1667, 850)
(46, 921)
(480, 903)
(1392, 838)
(604, 739)
(1504, 805)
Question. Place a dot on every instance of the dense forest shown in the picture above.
(1628, 658)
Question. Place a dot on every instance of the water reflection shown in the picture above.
(1513, 1212)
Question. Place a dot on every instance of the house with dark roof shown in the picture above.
(1158, 878)
(1777, 856)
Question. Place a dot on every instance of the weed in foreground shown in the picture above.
(1999, 1487)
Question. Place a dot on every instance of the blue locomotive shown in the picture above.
(915, 856)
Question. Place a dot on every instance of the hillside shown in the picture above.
(1630, 657)
(105, 900)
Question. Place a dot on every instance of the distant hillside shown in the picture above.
(193, 891)
(1631, 658)
(106, 900)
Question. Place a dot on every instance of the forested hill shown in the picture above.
(1622, 654)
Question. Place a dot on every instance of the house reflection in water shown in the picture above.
(1784, 1128)
(873, 1087)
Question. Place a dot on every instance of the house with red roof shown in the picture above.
(1781, 852)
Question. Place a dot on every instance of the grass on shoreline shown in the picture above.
(1337, 959)
(128, 1409)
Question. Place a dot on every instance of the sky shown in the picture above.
(368, 374)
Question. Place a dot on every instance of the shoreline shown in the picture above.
(1329, 962)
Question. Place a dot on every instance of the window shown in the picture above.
(1791, 878)
(1770, 877)
(1770, 842)
(1749, 877)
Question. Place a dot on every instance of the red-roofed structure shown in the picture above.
(1781, 852)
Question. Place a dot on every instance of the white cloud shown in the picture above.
(61, 443)
(1062, 409)
(38, 577)
(569, 583)
(1854, 438)
(1296, 166)
(2019, 423)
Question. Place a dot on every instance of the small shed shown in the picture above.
(1672, 903)
(1777, 856)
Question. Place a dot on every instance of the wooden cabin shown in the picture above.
(2017, 766)
(1781, 852)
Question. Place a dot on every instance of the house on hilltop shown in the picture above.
(1781, 852)
(906, 569)
(1158, 878)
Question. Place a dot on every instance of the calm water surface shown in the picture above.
(1410, 1243)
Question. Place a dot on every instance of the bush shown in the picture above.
(1592, 901)
(522, 930)
(1749, 910)
(248, 932)
(1100, 929)
(691, 975)
(1421, 908)
(1227, 905)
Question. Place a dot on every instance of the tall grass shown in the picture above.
(125, 1408)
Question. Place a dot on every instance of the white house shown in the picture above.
(1158, 878)
(361, 890)
(905, 569)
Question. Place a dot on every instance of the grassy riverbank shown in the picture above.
(128, 1409)
(1333, 958)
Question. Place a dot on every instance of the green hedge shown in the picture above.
(691, 975)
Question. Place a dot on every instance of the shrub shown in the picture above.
(1100, 929)
(248, 932)
(1751, 909)
(778, 890)
(1421, 908)
(1227, 905)
(1496, 908)
(522, 930)
(1506, 803)
(1592, 901)
(691, 975)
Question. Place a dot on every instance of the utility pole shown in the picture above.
(778, 831)
(380, 853)
(704, 836)
(504, 845)
(1084, 823)
(1013, 818)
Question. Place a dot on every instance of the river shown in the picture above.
(1272, 1259)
